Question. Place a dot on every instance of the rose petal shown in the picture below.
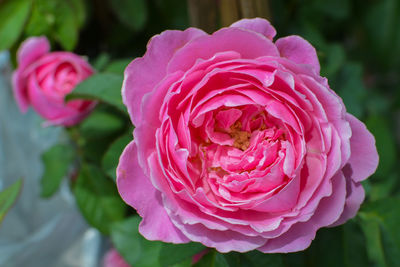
(257, 25)
(29, 51)
(143, 74)
(364, 156)
(247, 43)
(136, 190)
(355, 196)
(298, 50)
(301, 234)
(32, 49)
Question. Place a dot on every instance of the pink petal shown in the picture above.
(298, 50)
(248, 44)
(73, 120)
(284, 200)
(20, 92)
(364, 156)
(143, 74)
(301, 234)
(257, 25)
(29, 51)
(226, 118)
(355, 196)
(137, 191)
(32, 49)
(223, 241)
(48, 108)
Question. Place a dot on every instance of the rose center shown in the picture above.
(241, 138)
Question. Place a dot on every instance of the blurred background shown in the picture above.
(358, 44)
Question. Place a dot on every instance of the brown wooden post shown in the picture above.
(229, 11)
(203, 14)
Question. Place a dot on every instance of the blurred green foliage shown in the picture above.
(358, 44)
(8, 196)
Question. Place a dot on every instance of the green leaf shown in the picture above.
(111, 158)
(235, 259)
(380, 223)
(351, 88)
(8, 197)
(101, 61)
(252, 259)
(257, 258)
(42, 19)
(327, 248)
(185, 263)
(383, 188)
(105, 87)
(172, 254)
(100, 123)
(355, 253)
(132, 13)
(99, 130)
(212, 259)
(370, 226)
(79, 8)
(66, 25)
(118, 66)
(98, 198)
(59, 20)
(380, 128)
(334, 60)
(57, 161)
(13, 15)
(135, 249)
(297, 259)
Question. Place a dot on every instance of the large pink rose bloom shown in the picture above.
(43, 79)
(239, 143)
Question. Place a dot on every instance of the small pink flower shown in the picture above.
(239, 143)
(197, 257)
(44, 78)
(114, 259)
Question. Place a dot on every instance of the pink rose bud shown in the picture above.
(197, 257)
(44, 78)
(114, 259)
(239, 143)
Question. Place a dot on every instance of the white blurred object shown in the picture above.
(37, 232)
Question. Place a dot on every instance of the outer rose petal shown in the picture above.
(355, 196)
(20, 93)
(300, 235)
(69, 121)
(30, 50)
(257, 25)
(142, 74)
(247, 43)
(298, 50)
(136, 190)
(364, 157)
(45, 106)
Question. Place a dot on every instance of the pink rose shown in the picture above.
(44, 78)
(114, 259)
(239, 143)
